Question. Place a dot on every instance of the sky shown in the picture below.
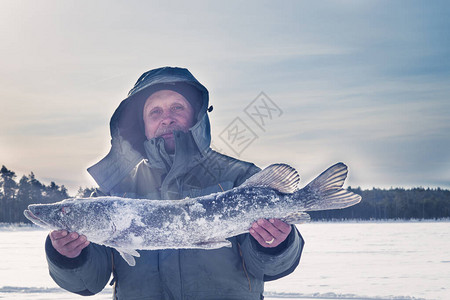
(308, 83)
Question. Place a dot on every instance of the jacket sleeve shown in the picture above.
(86, 274)
(272, 263)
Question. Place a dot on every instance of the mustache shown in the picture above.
(168, 129)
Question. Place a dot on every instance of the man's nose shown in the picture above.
(167, 118)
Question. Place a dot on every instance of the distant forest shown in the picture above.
(16, 196)
(376, 204)
(395, 203)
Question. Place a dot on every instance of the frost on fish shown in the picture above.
(203, 222)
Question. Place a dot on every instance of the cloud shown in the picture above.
(365, 82)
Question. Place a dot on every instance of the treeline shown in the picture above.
(15, 195)
(377, 204)
(395, 203)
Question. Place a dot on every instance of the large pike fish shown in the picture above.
(203, 222)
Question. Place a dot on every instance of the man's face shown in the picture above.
(164, 112)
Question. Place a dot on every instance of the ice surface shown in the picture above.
(374, 261)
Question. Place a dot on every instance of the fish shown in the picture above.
(205, 222)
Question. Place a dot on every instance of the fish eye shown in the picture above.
(65, 210)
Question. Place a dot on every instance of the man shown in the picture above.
(161, 150)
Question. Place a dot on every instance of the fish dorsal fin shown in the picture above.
(280, 177)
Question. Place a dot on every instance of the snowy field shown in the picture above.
(355, 260)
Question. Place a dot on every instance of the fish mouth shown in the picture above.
(30, 216)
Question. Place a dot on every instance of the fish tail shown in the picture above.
(326, 192)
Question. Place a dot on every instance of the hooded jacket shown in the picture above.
(139, 168)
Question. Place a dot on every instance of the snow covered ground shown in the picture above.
(354, 260)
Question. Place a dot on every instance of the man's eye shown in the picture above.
(177, 107)
(155, 112)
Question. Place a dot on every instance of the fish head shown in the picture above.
(60, 215)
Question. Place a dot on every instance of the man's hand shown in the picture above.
(270, 233)
(68, 244)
